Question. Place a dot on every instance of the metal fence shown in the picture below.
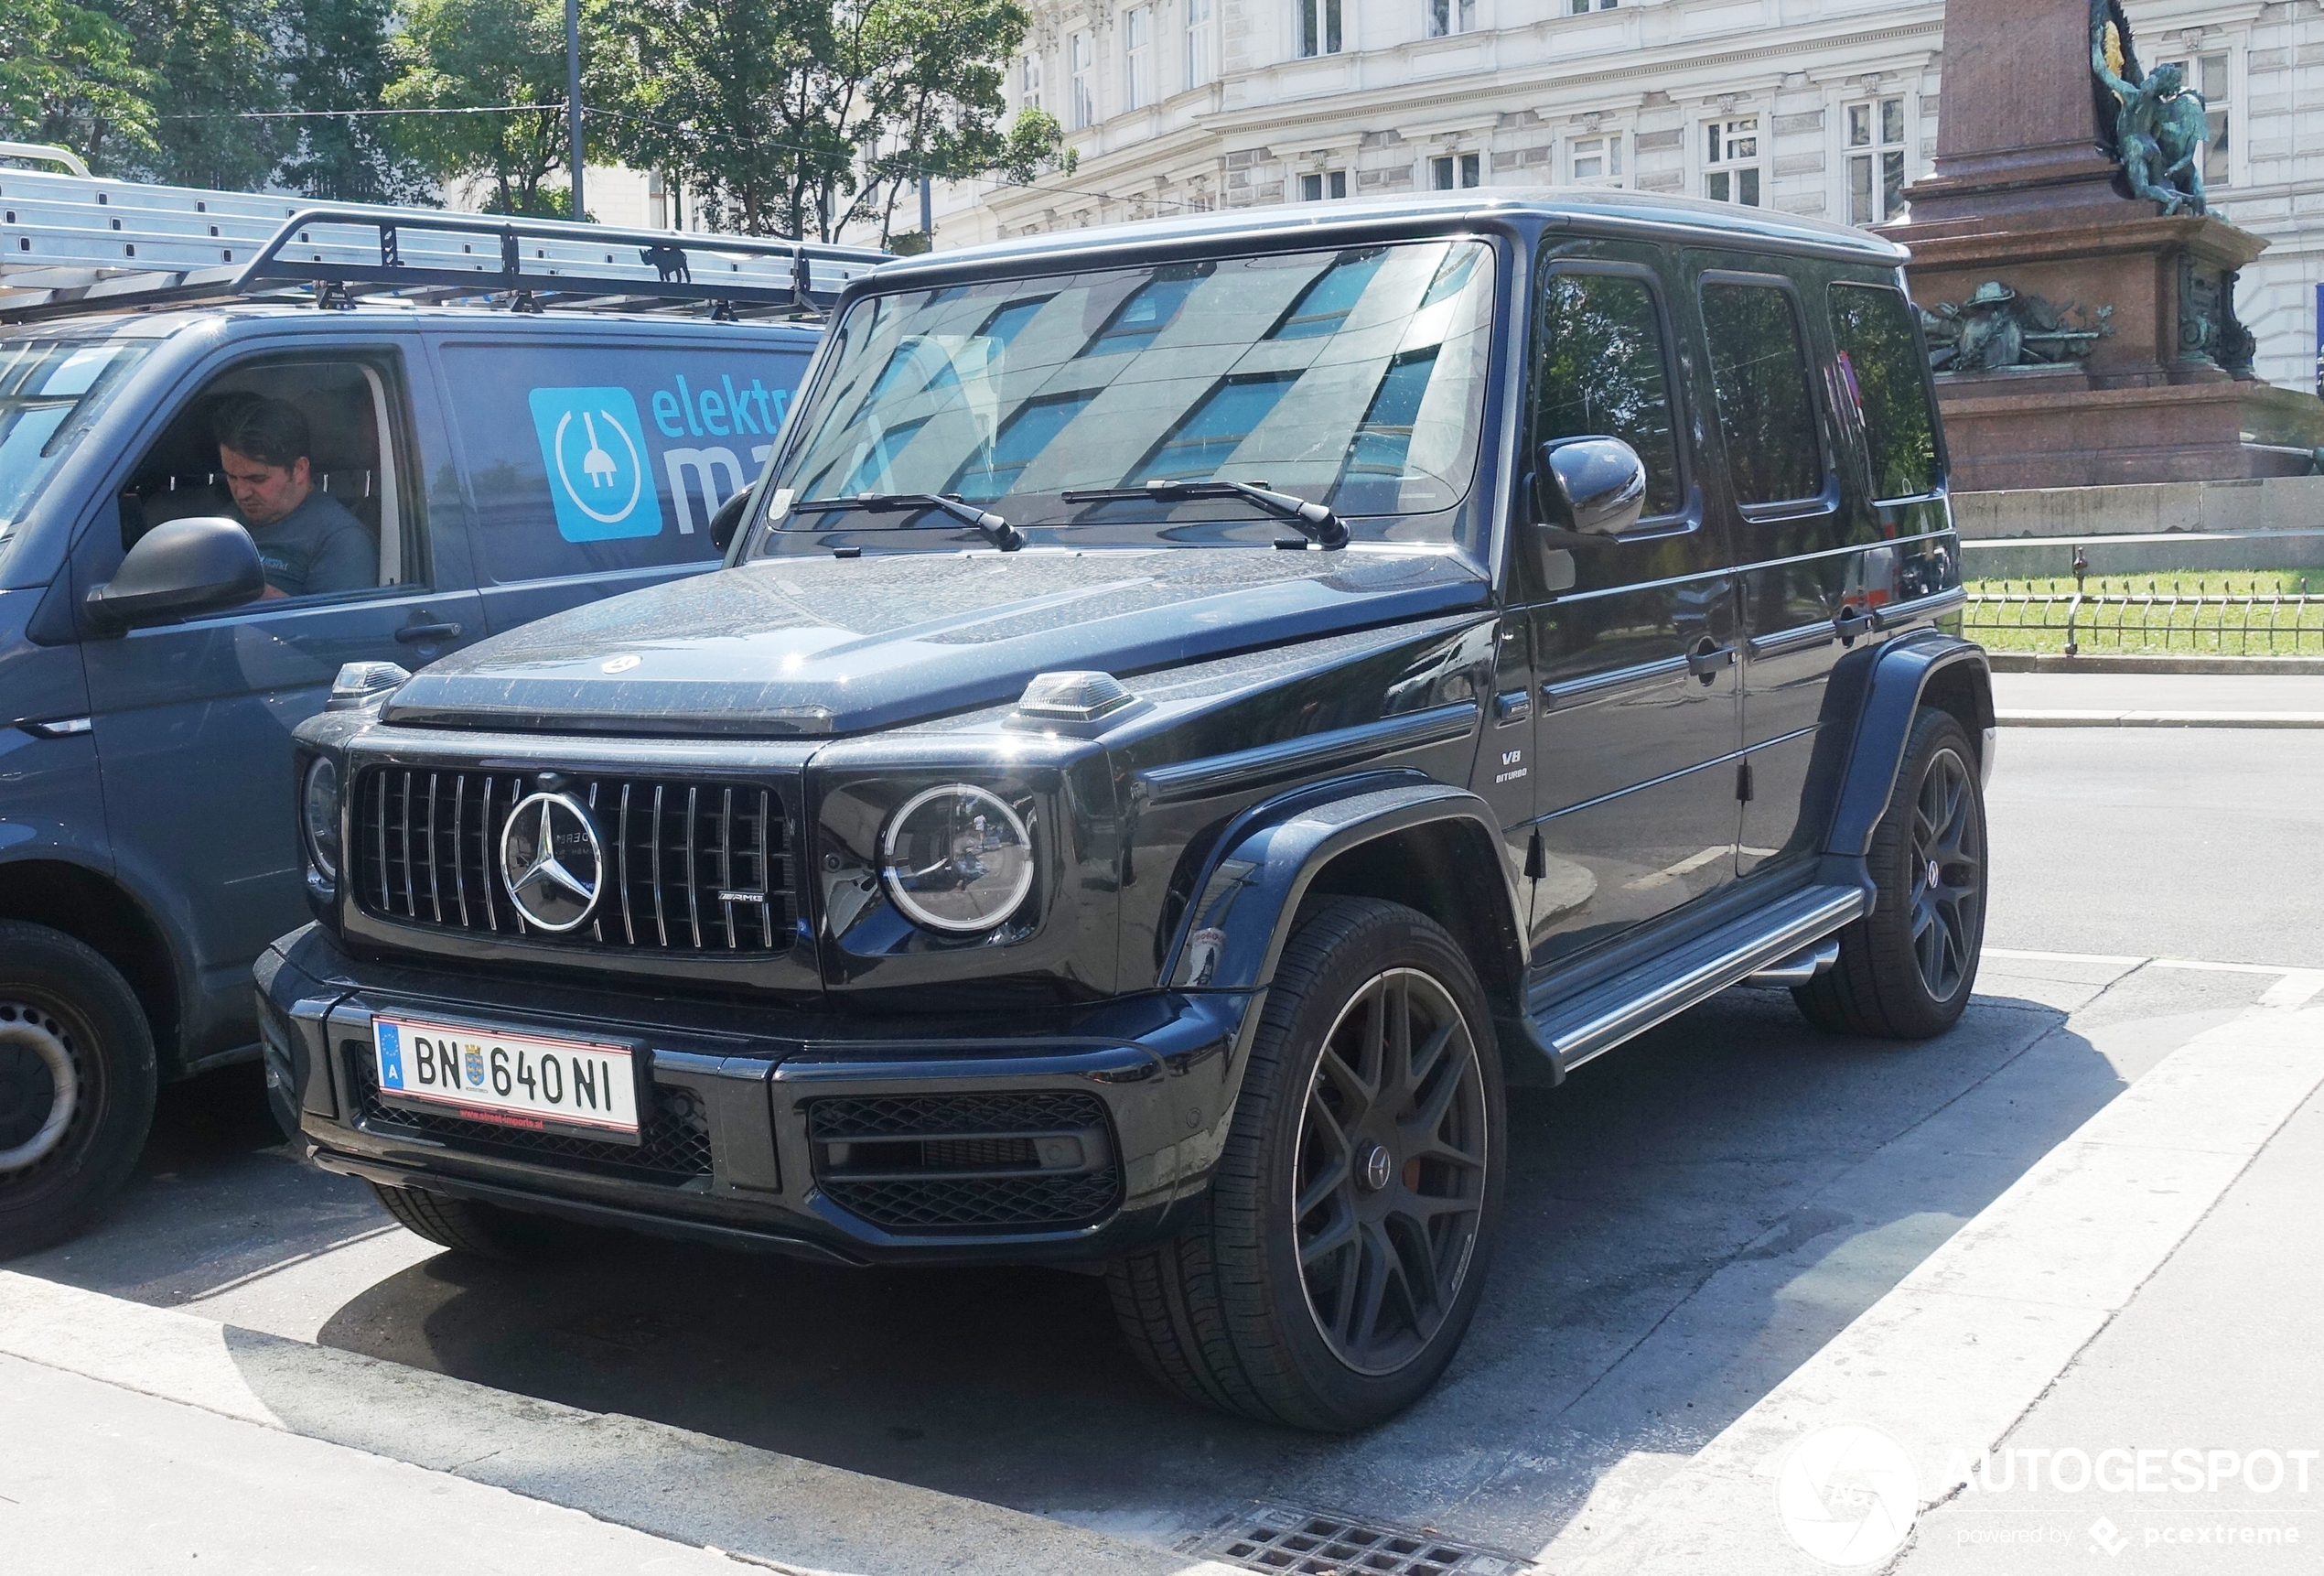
(2227, 615)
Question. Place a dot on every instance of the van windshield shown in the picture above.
(1352, 377)
(52, 388)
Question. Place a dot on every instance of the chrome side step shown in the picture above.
(1801, 966)
(1573, 1030)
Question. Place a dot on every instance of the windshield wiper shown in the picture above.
(1314, 521)
(998, 530)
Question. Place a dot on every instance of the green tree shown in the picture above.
(69, 76)
(459, 54)
(804, 116)
(212, 60)
(338, 55)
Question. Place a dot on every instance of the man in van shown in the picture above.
(310, 545)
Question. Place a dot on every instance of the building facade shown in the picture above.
(1824, 107)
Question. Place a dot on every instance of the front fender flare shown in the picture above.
(1233, 932)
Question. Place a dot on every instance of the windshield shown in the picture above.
(52, 390)
(1354, 378)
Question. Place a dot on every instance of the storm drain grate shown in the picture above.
(1312, 1543)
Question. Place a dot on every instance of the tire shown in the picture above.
(77, 1084)
(1225, 1314)
(1906, 969)
(481, 1230)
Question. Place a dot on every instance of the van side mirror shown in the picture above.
(197, 565)
(728, 520)
(1590, 486)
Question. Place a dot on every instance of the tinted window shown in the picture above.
(1881, 358)
(1355, 377)
(587, 461)
(1760, 371)
(1598, 371)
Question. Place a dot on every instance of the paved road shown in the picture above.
(1688, 1220)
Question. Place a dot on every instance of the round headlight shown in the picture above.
(319, 811)
(956, 859)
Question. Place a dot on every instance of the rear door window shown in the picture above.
(587, 461)
(1882, 365)
(1767, 407)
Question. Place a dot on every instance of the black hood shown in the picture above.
(844, 645)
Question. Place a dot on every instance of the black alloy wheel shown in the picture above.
(1354, 1204)
(1949, 858)
(1390, 1178)
(1906, 969)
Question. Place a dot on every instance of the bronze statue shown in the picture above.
(2160, 125)
(1997, 327)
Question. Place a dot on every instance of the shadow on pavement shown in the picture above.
(1686, 1223)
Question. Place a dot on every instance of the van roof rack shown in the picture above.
(75, 244)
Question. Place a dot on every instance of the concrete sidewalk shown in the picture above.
(142, 1438)
(2158, 700)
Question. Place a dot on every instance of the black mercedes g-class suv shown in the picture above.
(1189, 713)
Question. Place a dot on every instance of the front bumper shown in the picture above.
(836, 1136)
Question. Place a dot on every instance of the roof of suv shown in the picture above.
(1582, 207)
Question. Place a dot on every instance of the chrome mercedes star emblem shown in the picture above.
(551, 861)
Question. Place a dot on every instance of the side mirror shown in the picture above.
(728, 520)
(1591, 486)
(193, 565)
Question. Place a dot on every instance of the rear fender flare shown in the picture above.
(1904, 672)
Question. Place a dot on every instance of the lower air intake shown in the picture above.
(962, 1164)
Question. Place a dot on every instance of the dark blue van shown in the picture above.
(502, 464)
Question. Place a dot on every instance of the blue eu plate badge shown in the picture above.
(391, 1041)
(593, 446)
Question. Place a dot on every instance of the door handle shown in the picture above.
(1707, 658)
(1848, 625)
(415, 633)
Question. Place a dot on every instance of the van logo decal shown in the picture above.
(593, 443)
(620, 663)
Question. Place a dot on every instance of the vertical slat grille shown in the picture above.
(686, 867)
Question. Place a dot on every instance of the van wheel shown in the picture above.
(1358, 1195)
(77, 1084)
(487, 1231)
(1906, 969)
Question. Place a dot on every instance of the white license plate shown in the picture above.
(516, 1080)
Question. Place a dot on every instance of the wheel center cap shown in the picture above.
(1933, 875)
(1376, 1168)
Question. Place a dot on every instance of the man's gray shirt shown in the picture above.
(315, 548)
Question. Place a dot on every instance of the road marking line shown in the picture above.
(281, 1264)
(1951, 1358)
(2281, 995)
(2065, 957)
(2047, 716)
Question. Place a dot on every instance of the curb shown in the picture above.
(692, 1488)
(2053, 718)
(2121, 662)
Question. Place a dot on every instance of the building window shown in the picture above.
(1029, 82)
(1875, 160)
(1454, 170)
(1315, 188)
(2207, 74)
(1596, 158)
(1584, 8)
(1320, 31)
(1199, 69)
(1080, 61)
(1731, 161)
(1447, 17)
(1137, 56)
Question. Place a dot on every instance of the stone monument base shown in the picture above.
(2164, 392)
